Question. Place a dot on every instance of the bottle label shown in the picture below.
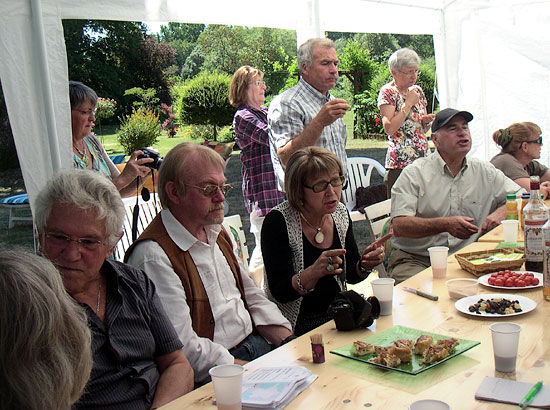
(534, 241)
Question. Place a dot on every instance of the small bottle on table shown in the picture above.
(535, 215)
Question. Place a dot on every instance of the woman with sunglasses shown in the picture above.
(88, 153)
(307, 241)
(520, 145)
(403, 108)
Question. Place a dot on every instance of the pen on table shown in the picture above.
(532, 393)
(420, 293)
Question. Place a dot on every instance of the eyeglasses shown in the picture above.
(416, 72)
(258, 83)
(59, 240)
(87, 112)
(323, 185)
(537, 141)
(210, 190)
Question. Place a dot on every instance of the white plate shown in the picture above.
(463, 304)
(484, 281)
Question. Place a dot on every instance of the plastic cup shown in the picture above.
(510, 229)
(429, 404)
(505, 345)
(438, 260)
(383, 290)
(228, 386)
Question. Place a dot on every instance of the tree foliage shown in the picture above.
(204, 101)
(140, 129)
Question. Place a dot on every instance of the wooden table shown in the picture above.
(345, 383)
(497, 235)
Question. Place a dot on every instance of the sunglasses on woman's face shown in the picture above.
(537, 141)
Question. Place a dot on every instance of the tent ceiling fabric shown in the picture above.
(490, 57)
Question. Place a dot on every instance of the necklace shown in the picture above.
(98, 298)
(319, 237)
(83, 155)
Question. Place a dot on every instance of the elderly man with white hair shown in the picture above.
(138, 361)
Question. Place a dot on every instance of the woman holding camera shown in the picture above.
(307, 241)
(88, 153)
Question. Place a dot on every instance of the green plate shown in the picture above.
(388, 336)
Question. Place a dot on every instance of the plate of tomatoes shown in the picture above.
(514, 280)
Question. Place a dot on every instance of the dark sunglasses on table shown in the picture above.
(323, 185)
(62, 241)
(211, 190)
(537, 141)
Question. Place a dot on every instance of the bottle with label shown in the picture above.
(524, 201)
(511, 207)
(535, 215)
(546, 267)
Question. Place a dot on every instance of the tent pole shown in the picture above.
(47, 96)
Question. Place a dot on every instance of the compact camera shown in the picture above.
(149, 152)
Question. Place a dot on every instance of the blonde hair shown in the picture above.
(239, 84)
(45, 358)
(304, 164)
(176, 164)
(511, 137)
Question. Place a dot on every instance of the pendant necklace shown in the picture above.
(83, 155)
(319, 237)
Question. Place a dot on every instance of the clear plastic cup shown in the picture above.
(228, 382)
(383, 290)
(510, 229)
(438, 260)
(505, 345)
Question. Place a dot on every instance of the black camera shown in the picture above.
(154, 154)
(350, 310)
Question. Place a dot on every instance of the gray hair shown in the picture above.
(45, 353)
(85, 190)
(305, 52)
(404, 57)
(80, 93)
(176, 163)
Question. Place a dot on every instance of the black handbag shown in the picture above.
(350, 310)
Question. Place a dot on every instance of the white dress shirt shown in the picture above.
(233, 322)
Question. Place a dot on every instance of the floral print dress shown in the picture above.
(409, 141)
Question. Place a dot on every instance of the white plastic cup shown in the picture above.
(429, 404)
(228, 386)
(383, 290)
(505, 345)
(438, 260)
(510, 229)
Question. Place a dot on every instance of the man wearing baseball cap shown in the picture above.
(445, 199)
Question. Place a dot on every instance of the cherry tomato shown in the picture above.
(491, 281)
(521, 284)
(499, 282)
(534, 281)
(528, 280)
(509, 283)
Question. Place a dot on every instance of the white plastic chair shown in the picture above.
(378, 214)
(359, 175)
(234, 226)
(147, 212)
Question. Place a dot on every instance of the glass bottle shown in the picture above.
(524, 201)
(511, 207)
(535, 215)
(546, 267)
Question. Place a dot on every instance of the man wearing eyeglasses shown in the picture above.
(217, 310)
(307, 114)
(445, 199)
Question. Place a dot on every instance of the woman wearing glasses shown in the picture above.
(307, 241)
(247, 94)
(88, 153)
(520, 145)
(403, 107)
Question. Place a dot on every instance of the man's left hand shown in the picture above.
(493, 220)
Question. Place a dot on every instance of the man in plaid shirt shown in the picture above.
(307, 114)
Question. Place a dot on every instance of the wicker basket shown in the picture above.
(480, 270)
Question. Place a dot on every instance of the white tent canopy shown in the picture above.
(490, 55)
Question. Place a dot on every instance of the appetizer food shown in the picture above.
(422, 343)
(497, 306)
(362, 348)
(449, 344)
(386, 359)
(435, 353)
(404, 352)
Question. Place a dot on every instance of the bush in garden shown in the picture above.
(203, 101)
(168, 124)
(140, 129)
(105, 109)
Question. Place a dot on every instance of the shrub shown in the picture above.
(168, 124)
(140, 129)
(204, 101)
(105, 109)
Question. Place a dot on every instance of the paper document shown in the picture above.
(512, 392)
(275, 387)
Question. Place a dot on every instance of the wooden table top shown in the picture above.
(357, 385)
(497, 235)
